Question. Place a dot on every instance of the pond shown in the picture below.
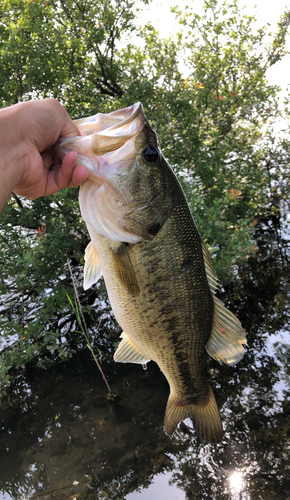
(63, 438)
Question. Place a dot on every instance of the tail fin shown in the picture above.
(205, 416)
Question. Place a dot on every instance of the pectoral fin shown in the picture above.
(92, 269)
(133, 227)
(127, 352)
(227, 337)
(124, 269)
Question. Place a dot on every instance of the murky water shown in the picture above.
(62, 438)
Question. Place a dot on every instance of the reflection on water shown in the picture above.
(236, 481)
(61, 438)
(5, 496)
(160, 488)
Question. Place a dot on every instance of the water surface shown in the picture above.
(62, 437)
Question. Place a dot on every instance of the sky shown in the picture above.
(266, 11)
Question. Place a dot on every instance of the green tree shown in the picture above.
(212, 123)
(210, 126)
(65, 49)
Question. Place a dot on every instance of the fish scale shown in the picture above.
(158, 273)
(174, 310)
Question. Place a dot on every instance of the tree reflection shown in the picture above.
(60, 435)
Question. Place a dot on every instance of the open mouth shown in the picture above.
(103, 134)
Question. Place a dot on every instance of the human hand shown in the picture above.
(29, 167)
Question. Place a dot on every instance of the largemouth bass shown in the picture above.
(158, 273)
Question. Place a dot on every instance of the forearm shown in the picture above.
(4, 195)
(12, 161)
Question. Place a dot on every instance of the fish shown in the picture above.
(158, 272)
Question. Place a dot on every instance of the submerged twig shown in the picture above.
(82, 322)
(94, 338)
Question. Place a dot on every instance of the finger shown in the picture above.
(66, 175)
(49, 158)
(69, 128)
(61, 122)
(80, 174)
(60, 176)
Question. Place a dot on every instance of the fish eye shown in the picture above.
(150, 154)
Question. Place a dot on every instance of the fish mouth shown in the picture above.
(104, 133)
(109, 142)
(111, 122)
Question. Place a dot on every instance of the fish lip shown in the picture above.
(137, 109)
(130, 113)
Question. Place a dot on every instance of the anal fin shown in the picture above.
(127, 352)
(92, 269)
(227, 337)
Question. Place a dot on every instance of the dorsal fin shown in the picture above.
(227, 336)
(212, 278)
